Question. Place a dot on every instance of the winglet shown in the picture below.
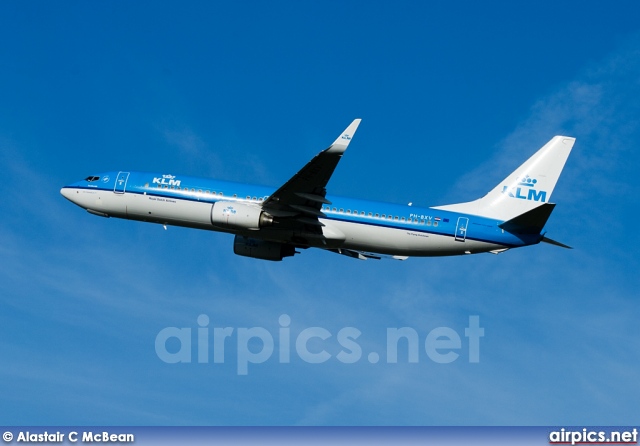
(341, 144)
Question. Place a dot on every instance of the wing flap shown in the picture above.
(314, 198)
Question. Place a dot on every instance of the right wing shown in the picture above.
(301, 198)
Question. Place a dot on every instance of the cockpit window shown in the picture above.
(91, 179)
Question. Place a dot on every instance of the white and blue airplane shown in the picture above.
(273, 224)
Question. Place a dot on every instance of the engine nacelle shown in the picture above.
(261, 249)
(229, 215)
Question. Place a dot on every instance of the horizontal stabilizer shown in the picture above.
(531, 222)
(553, 242)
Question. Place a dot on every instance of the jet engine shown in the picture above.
(230, 215)
(261, 249)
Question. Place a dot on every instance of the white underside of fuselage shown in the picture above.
(336, 233)
(405, 242)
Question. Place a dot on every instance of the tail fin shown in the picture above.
(527, 188)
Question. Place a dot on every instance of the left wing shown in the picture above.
(363, 255)
(302, 197)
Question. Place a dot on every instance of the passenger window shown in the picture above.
(370, 214)
(395, 218)
(362, 213)
(335, 209)
(421, 222)
(377, 215)
(384, 216)
(402, 219)
(428, 222)
(348, 211)
(435, 223)
(341, 209)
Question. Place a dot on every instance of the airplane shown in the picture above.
(273, 224)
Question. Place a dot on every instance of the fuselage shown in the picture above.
(346, 223)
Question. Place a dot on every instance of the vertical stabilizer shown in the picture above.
(527, 188)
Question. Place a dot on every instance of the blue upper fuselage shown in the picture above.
(411, 218)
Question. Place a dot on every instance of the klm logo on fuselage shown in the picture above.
(168, 180)
(526, 190)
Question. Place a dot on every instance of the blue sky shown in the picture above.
(453, 97)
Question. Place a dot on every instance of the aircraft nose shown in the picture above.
(66, 193)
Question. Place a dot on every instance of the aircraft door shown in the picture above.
(121, 182)
(461, 229)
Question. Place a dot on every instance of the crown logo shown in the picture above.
(527, 181)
